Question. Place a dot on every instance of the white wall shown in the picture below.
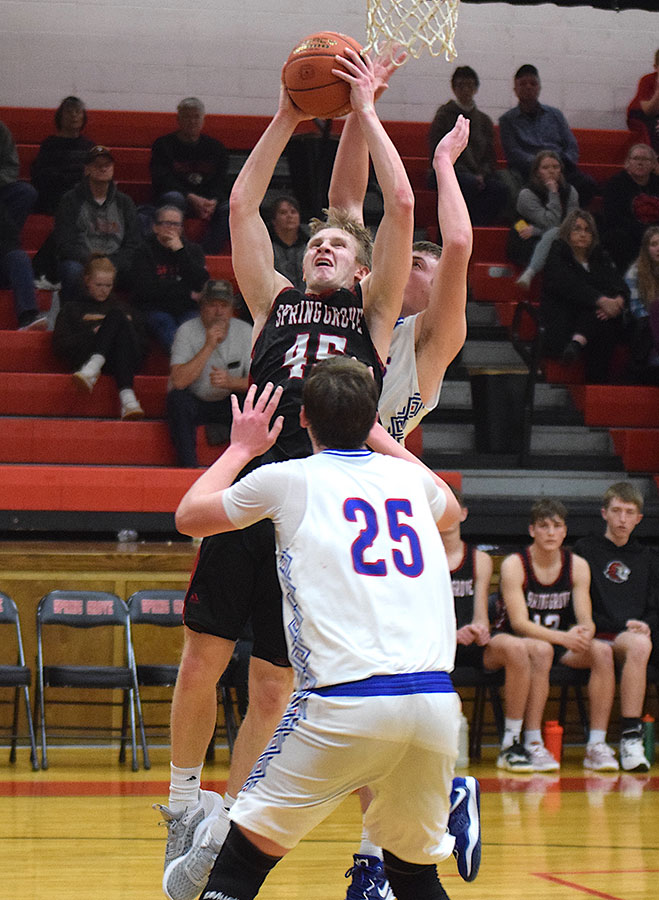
(150, 53)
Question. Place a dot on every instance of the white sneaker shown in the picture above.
(85, 380)
(186, 875)
(541, 759)
(42, 284)
(525, 279)
(632, 754)
(600, 758)
(131, 409)
(38, 321)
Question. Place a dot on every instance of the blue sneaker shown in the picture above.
(368, 879)
(464, 823)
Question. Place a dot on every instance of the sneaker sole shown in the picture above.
(81, 384)
(217, 804)
(523, 768)
(135, 414)
(472, 855)
(641, 767)
(607, 767)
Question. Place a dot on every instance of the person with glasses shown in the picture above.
(583, 299)
(631, 204)
(168, 273)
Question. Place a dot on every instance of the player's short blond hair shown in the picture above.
(625, 491)
(340, 218)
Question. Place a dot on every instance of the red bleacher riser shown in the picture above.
(637, 447)
(8, 320)
(618, 405)
(49, 394)
(496, 282)
(220, 267)
(489, 244)
(557, 372)
(93, 488)
(418, 169)
(28, 351)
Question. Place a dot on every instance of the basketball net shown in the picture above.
(413, 25)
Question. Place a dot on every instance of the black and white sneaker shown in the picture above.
(515, 758)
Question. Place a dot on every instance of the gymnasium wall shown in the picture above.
(150, 53)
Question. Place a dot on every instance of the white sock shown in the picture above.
(597, 736)
(511, 731)
(368, 848)
(94, 364)
(183, 787)
(127, 395)
(532, 736)
(228, 801)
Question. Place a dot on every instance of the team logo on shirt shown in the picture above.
(617, 572)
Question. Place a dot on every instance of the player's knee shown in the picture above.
(541, 654)
(204, 659)
(270, 688)
(639, 648)
(409, 881)
(602, 654)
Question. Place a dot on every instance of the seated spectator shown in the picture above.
(210, 361)
(99, 333)
(545, 596)
(583, 298)
(642, 279)
(643, 111)
(624, 591)
(95, 218)
(189, 169)
(18, 196)
(289, 238)
(531, 126)
(631, 203)
(168, 274)
(16, 273)
(542, 204)
(57, 168)
(485, 194)
(59, 164)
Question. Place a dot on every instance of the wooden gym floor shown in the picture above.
(85, 829)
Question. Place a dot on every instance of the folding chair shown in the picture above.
(16, 676)
(164, 608)
(85, 610)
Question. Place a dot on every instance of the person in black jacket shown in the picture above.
(98, 333)
(168, 274)
(189, 168)
(624, 590)
(583, 299)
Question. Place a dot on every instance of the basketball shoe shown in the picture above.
(464, 823)
(186, 835)
(632, 752)
(368, 879)
(541, 759)
(600, 758)
(515, 759)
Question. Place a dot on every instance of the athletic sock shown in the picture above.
(228, 801)
(597, 736)
(239, 870)
(532, 736)
(368, 848)
(183, 787)
(511, 731)
(410, 881)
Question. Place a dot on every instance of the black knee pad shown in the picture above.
(239, 870)
(412, 881)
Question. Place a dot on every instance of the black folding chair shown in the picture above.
(16, 676)
(66, 663)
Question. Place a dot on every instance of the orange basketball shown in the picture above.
(308, 75)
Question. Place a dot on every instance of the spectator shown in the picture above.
(210, 361)
(189, 169)
(631, 203)
(545, 594)
(485, 194)
(289, 238)
(16, 273)
(526, 662)
(542, 204)
(57, 168)
(583, 298)
(643, 111)
(59, 164)
(95, 218)
(531, 126)
(624, 590)
(168, 274)
(99, 333)
(643, 282)
(18, 196)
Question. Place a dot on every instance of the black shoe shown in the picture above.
(572, 353)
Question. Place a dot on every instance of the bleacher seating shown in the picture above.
(57, 438)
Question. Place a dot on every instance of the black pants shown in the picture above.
(118, 340)
(184, 412)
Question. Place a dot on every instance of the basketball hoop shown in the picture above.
(413, 25)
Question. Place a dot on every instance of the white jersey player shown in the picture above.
(368, 608)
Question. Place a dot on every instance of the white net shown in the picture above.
(414, 25)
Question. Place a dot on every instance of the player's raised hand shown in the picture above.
(287, 107)
(453, 143)
(384, 66)
(359, 72)
(251, 429)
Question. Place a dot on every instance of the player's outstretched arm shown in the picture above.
(201, 511)
(251, 248)
(392, 253)
(441, 328)
(381, 441)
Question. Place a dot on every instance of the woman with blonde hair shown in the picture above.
(99, 333)
(642, 279)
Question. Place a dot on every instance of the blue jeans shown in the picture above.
(70, 274)
(19, 197)
(16, 270)
(184, 412)
(164, 325)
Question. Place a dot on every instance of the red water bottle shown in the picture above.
(553, 738)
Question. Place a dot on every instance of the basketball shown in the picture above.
(308, 75)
